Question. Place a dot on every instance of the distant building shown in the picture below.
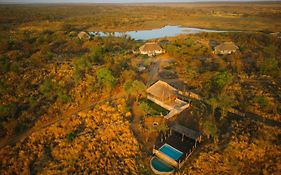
(276, 34)
(84, 35)
(151, 49)
(226, 48)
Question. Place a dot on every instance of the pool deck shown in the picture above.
(175, 140)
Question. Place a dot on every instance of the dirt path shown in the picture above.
(12, 140)
(156, 68)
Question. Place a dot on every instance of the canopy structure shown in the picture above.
(195, 135)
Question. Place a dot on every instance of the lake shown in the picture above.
(167, 31)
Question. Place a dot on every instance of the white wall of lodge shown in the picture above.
(151, 53)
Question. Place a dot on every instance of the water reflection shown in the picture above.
(167, 31)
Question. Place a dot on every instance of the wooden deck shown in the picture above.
(183, 144)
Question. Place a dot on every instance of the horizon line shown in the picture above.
(189, 2)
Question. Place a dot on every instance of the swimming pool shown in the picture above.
(171, 151)
(159, 166)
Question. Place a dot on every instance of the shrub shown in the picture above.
(20, 127)
(48, 89)
(221, 80)
(210, 129)
(4, 64)
(261, 101)
(105, 78)
(270, 67)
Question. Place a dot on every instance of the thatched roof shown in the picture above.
(84, 35)
(162, 90)
(150, 47)
(186, 131)
(226, 46)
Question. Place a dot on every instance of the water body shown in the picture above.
(167, 31)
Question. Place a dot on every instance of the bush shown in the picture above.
(221, 80)
(270, 67)
(3, 131)
(105, 78)
(48, 89)
(20, 127)
(71, 136)
(63, 97)
(135, 88)
(210, 129)
(8, 111)
(4, 64)
(81, 66)
(261, 101)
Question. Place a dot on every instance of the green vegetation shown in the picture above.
(261, 101)
(47, 74)
(152, 109)
(135, 88)
(105, 78)
(210, 129)
(220, 81)
(270, 67)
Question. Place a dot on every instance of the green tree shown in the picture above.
(220, 81)
(63, 96)
(3, 88)
(81, 66)
(51, 90)
(135, 88)
(97, 55)
(270, 67)
(105, 78)
(261, 101)
(225, 103)
(210, 129)
(48, 89)
(4, 64)
(214, 104)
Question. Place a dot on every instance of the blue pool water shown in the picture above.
(167, 31)
(160, 165)
(171, 152)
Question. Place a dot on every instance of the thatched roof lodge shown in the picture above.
(162, 91)
(165, 96)
(151, 49)
(226, 48)
(83, 35)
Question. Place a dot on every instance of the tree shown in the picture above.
(135, 88)
(270, 67)
(105, 78)
(214, 104)
(81, 65)
(3, 88)
(48, 89)
(210, 129)
(97, 55)
(4, 64)
(52, 90)
(225, 103)
(220, 81)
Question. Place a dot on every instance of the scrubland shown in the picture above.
(70, 106)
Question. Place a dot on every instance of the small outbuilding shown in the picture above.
(226, 48)
(151, 49)
(83, 35)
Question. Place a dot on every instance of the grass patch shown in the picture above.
(152, 109)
